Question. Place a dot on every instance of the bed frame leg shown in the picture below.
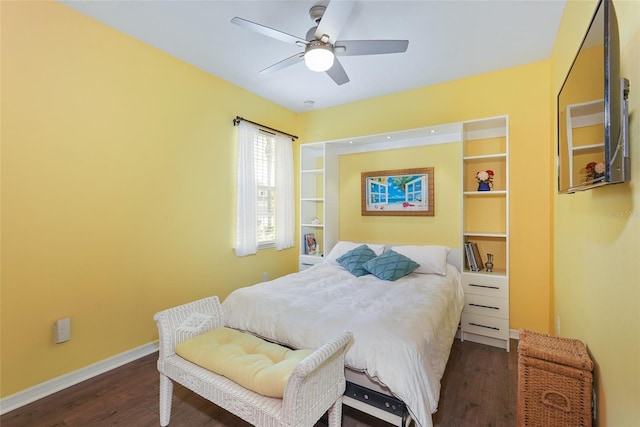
(406, 419)
(166, 396)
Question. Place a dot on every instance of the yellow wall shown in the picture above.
(442, 229)
(117, 184)
(597, 240)
(117, 189)
(523, 93)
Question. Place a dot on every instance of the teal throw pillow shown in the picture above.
(390, 266)
(355, 259)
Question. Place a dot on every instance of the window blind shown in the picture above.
(265, 174)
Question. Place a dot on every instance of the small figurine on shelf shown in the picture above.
(593, 172)
(485, 180)
(489, 263)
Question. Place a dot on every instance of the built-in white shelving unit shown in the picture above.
(318, 200)
(319, 177)
(485, 222)
(485, 216)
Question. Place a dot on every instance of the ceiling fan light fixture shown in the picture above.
(318, 56)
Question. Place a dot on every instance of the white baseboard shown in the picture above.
(47, 388)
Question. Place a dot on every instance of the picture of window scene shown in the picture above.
(402, 192)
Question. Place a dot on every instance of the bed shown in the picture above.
(403, 328)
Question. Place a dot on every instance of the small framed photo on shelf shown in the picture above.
(310, 244)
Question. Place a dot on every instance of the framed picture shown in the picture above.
(310, 244)
(398, 192)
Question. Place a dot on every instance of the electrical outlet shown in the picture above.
(557, 325)
(265, 276)
(62, 330)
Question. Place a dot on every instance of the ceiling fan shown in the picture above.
(321, 46)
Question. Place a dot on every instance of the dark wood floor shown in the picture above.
(478, 389)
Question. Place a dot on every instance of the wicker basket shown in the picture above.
(554, 381)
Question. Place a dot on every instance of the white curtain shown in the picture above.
(247, 218)
(246, 235)
(285, 212)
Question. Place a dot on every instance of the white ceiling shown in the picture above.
(448, 39)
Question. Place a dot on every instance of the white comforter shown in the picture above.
(403, 330)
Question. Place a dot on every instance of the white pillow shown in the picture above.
(432, 258)
(342, 247)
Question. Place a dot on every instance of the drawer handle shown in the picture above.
(483, 286)
(483, 326)
(484, 306)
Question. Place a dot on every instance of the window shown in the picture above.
(265, 174)
(378, 193)
(414, 190)
(265, 208)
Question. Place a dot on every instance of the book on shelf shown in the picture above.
(472, 253)
(476, 256)
(468, 252)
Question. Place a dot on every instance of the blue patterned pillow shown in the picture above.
(390, 266)
(355, 259)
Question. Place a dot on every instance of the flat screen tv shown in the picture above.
(593, 118)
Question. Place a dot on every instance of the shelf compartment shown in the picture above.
(311, 157)
(310, 208)
(472, 165)
(493, 245)
(485, 214)
(485, 147)
(319, 235)
(312, 184)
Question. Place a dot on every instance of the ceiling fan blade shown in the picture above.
(334, 18)
(369, 47)
(284, 63)
(269, 32)
(337, 73)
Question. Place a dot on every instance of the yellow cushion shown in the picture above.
(247, 360)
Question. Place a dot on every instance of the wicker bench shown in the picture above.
(315, 386)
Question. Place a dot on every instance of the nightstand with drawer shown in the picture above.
(485, 317)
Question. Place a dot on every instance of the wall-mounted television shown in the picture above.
(593, 118)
